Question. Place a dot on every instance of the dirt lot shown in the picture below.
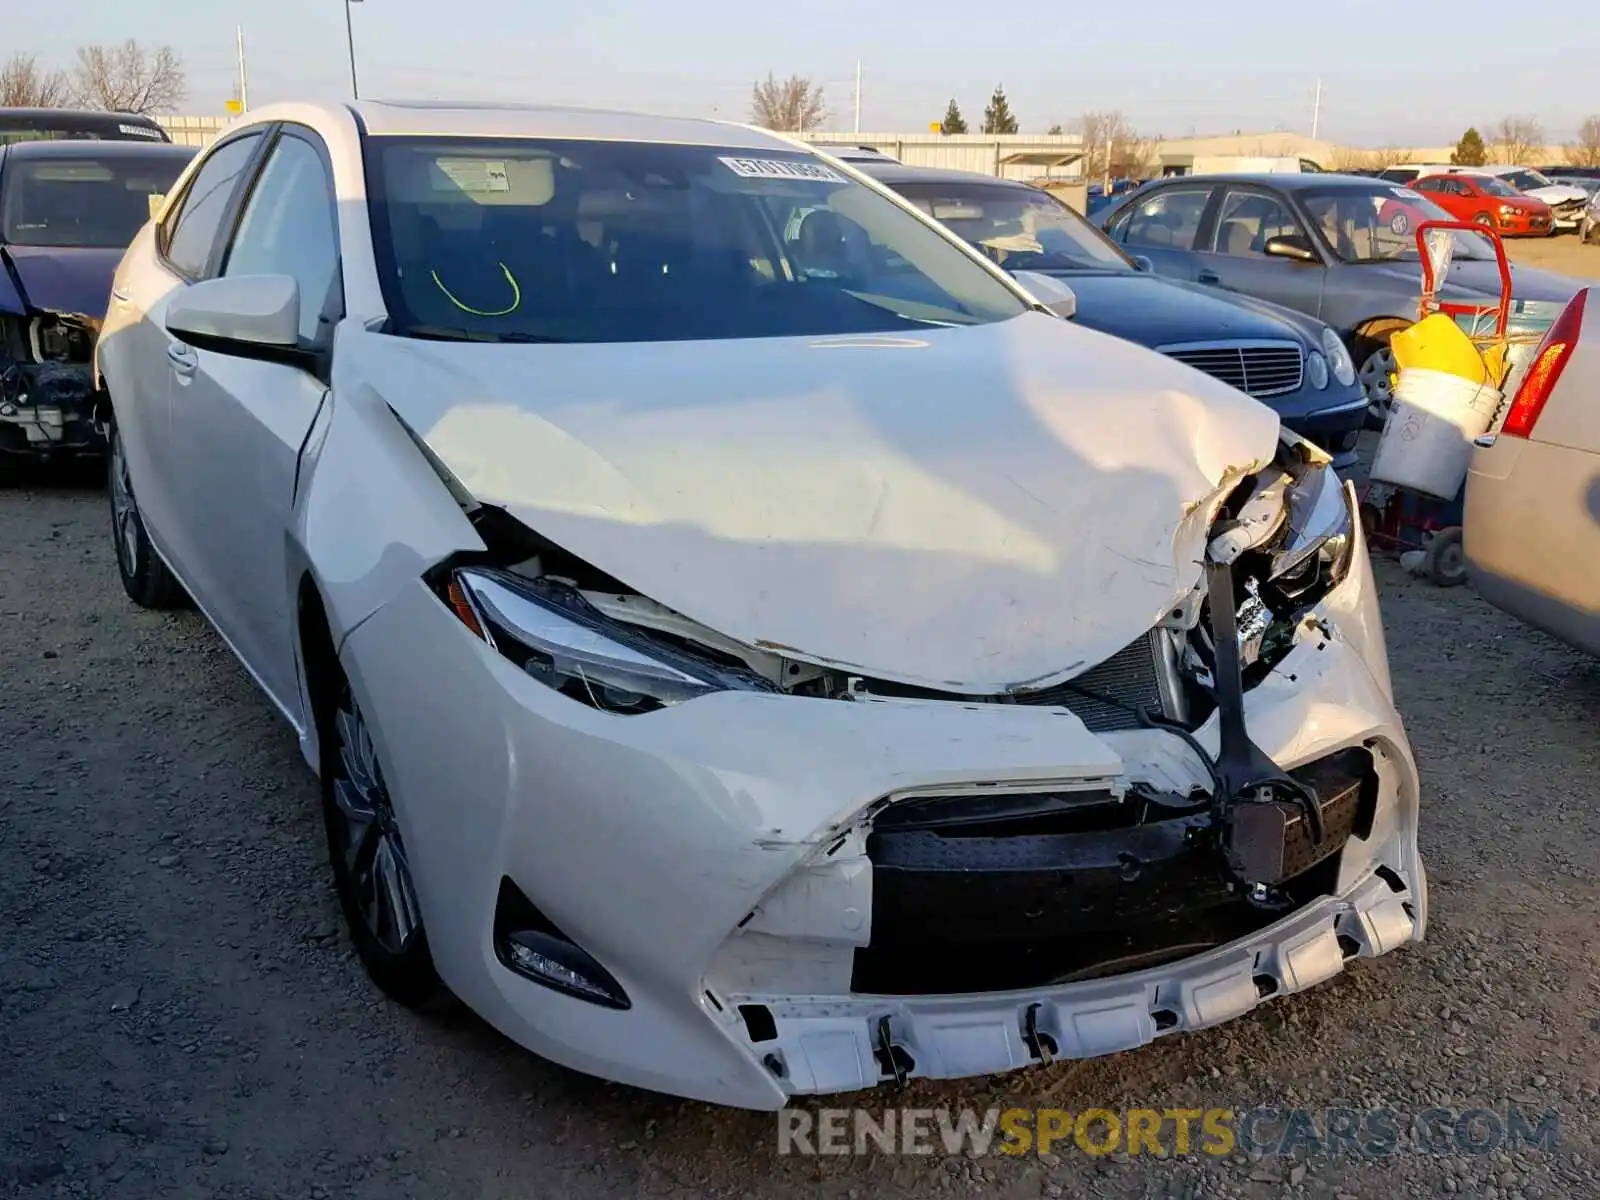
(181, 1016)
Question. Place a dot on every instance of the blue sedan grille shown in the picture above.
(1259, 368)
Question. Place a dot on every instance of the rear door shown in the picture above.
(238, 424)
(141, 361)
(1234, 254)
(1164, 226)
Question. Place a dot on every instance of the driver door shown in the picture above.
(1247, 219)
(239, 423)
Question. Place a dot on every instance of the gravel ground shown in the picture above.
(181, 1014)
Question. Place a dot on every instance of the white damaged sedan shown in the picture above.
(749, 647)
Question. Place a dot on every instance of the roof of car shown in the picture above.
(77, 114)
(468, 119)
(83, 147)
(894, 172)
(1287, 181)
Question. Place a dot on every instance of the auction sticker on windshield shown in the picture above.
(772, 168)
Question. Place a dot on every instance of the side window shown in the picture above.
(1460, 187)
(1248, 221)
(288, 229)
(1168, 220)
(1433, 185)
(192, 231)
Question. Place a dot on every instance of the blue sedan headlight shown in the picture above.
(1344, 369)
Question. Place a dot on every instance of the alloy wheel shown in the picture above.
(124, 510)
(371, 853)
(1377, 380)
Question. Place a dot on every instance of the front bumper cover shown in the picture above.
(712, 855)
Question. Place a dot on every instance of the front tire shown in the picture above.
(145, 577)
(371, 871)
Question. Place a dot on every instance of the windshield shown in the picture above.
(1021, 228)
(1379, 223)
(83, 200)
(1525, 181)
(1496, 186)
(578, 241)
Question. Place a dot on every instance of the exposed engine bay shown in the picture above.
(47, 384)
(997, 888)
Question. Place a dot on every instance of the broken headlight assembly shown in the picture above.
(1283, 540)
(1287, 537)
(553, 634)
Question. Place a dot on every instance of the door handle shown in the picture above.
(1208, 277)
(183, 358)
(120, 296)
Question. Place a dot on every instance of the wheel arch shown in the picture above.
(320, 672)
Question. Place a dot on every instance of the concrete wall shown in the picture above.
(192, 131)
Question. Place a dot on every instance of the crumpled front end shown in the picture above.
(655, 854)
(47, 387)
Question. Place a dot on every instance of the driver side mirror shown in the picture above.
(245, 316)
(1293, 246)
(1050, 292)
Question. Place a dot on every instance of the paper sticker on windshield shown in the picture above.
(773, 168)
(470, 175)
(155, 200)
(1406, 193)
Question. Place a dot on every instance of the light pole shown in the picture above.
(350, 42)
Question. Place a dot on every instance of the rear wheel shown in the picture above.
(144, 576)
(371, 870)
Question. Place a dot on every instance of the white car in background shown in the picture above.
(749, 648)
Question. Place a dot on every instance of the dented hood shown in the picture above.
(971, 509)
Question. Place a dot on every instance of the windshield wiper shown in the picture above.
(450, 333)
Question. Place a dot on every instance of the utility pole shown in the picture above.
(350, 41)
(1316, 111)
(858, 95)
(244, 79)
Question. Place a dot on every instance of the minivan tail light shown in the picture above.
(1548, 363)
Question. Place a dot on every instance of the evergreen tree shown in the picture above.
(997, 117)
(1470, 150)
(953, 121)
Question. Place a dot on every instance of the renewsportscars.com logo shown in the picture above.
(1369, 1133)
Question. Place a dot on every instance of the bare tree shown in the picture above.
(1585, 152)
(1517, 139)
(129, 78)
(25, 84)
(1355, 158)
(1112, 148)
(791, 105)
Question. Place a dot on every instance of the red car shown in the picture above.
(1486, 200)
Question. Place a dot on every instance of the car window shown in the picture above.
(192, 231)
(288, 229)
(1168, 220)
(1248, 221)
(1019, 227)
(1399, 174)
(1433, 185)
(613, 241)
(88, 199)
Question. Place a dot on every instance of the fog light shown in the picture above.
(562, 966)
(529, 943)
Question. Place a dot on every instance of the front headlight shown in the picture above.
(1344, 369)
(557, 637)
(1317, 370)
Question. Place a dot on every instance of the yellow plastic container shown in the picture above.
(1437, 343)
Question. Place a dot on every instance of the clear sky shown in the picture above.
(1405, 73)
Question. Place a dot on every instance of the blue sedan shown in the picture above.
(1292, 362)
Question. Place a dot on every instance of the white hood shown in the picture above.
(968, 509)
(1557, 193)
